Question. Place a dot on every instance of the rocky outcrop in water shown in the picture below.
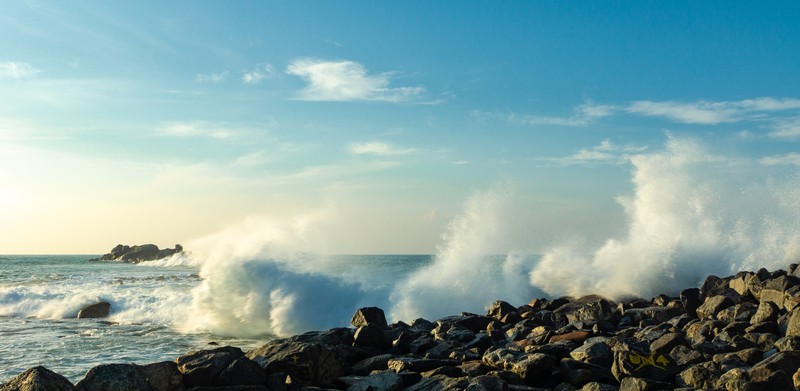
(96, 310)
(736, 333)
(140, 253)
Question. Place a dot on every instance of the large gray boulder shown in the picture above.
(304, 362)
(203, 367)
(38, 379)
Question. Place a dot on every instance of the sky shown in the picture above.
(160, 122)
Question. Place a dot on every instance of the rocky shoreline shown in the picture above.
(735, 333)
(138, 253)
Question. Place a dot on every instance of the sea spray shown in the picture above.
(692, 213)
(475, 265)
(263, 279)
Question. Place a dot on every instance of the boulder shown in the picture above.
(369, 315)
(419, 365)
(203, 367)
(163, 376)
(122, 377)
(500, 310)
(382, 381)
(767, 312)
(38, 379)
(304, 362)
(371, 335)
(529, 367)
(793, 326)
(714, 304)
(96, 310)
(690, 298)
(776, 371)
(636, 360)
(639, 384)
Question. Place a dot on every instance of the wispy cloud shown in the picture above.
(605, 152)
(787, 129)
(195, 129)
(378, 148)
(712, 113)
(582, 115)
(211, 77)
(258, 74)
(347, 81)
(776, 160)
(16, 70)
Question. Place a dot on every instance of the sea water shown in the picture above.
(151, 309)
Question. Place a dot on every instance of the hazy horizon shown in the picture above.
(372, 127)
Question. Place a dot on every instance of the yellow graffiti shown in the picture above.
(658, 362)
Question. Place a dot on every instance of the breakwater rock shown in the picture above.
(740, 332)
(139, 253)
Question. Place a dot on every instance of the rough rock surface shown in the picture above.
(732, 333)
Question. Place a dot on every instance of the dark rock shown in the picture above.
(419, 365)
(793, 326)
(578, 373)
(636, 360)
(371, 335)
(447, 370)
(596, 351)
(589, 308)
(375, 363)
(500, 309)
(575, 336)
(121, 377)
(140, 253)
(639, 384)
(163, 376)
(767, 312)
(97, 310)
(595, 386)
(712, 305)
(38, 379)
(528, 366)
(202, 367)
(440, 383)
(774, 290)
(776, 372)
(691, 300)
(369, 315)
(487, 383)
(699, 376)
(242, 372)
(382, 381)
(303, 362)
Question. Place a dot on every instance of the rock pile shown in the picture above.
(735, 333)
(140, 253)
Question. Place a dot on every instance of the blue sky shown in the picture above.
(161, 122)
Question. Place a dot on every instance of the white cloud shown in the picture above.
(712, 113)
(378, 148)
(583, 115)
(16, 70)
(212, 77)
(789, 129)
(347, 81)
(787, 159)
(195, 129)
(605, 152)
(257, 75)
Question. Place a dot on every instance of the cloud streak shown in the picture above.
(378, 148)
(258, 74)
(712, 113)
(339, 81)
(16, 70)
(606, 152)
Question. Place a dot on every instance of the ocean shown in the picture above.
(154, 309)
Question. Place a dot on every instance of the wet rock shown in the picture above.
(38, 379)
(97, 310)
(123, 377)
(691, 300)
(242, 371)
(201, 368)
(369, 315)
(140, 253)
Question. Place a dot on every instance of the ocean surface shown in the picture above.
(159, 310)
